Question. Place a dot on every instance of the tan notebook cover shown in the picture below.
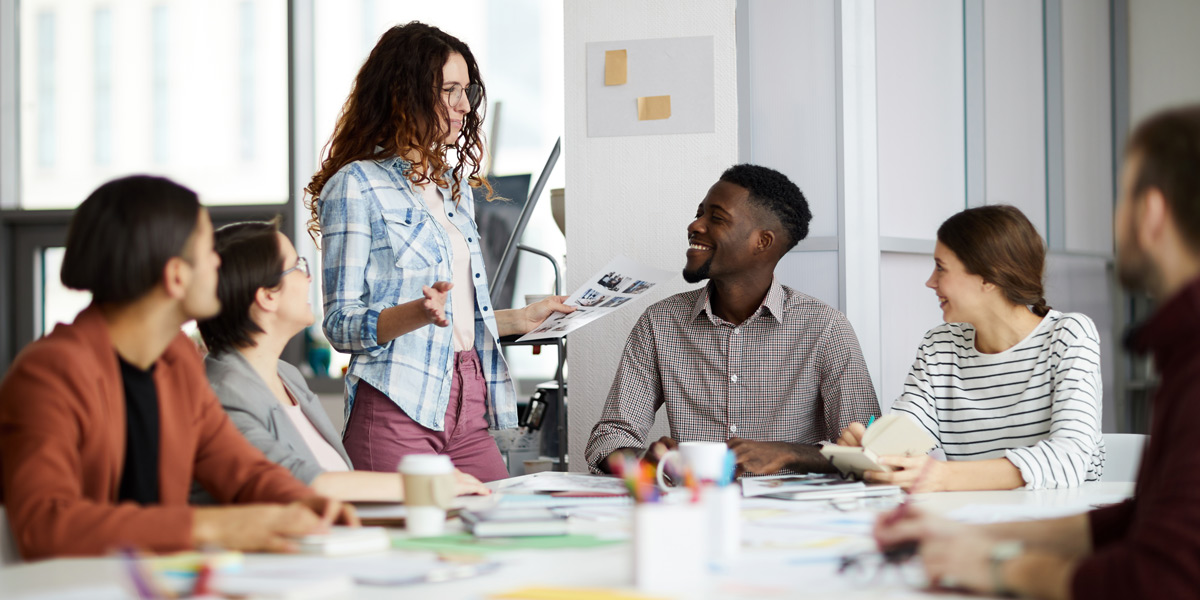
(890, 435)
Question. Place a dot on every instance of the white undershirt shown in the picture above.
(326, 455)
(462, 297)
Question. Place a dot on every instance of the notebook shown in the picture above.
(341, 541)
(890, 435)
(514, 522)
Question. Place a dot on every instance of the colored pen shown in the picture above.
(872, 420)
(141, 582)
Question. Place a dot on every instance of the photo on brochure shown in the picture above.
(611, 280)
(591, 298)
(638, 287)
(609, 290)
(619, 300)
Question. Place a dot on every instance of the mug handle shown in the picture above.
(662, 462)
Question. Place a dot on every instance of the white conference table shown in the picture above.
(759, 573)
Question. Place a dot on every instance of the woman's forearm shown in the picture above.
(400, 319)
(511, 321)
(992, 474)
(360, 485)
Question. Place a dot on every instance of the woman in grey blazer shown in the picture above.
(263, 289)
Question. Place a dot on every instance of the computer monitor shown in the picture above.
(497, 220)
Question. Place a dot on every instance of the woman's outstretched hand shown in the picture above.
(435, 302)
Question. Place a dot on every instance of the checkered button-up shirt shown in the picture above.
(792, 372)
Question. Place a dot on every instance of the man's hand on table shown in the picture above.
(764, 458)
(268, 527)
(954, 555)
(615, 462)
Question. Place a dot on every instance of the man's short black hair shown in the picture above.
(773, 191)
(123, 234)
(250, 259)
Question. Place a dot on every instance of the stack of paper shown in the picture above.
(812, 487)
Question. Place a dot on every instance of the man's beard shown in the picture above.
(1135, 271)
(699, 274)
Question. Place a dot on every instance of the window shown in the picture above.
(55, 303)
(247, 78)
(198, 91)
(160, 51)
(195, 90)
(102, 77)
(47, 91)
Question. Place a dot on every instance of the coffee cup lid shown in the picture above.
(426, 464)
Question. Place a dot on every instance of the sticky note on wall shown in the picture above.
(651, 108)
(615, 67)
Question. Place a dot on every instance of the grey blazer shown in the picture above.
(257, 414)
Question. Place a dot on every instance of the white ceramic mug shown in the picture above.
(706, 460)
(428, 492)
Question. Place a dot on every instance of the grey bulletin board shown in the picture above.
(679, 67)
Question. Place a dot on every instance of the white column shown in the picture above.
(859, 176)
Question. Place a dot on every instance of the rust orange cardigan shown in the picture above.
(62, 448)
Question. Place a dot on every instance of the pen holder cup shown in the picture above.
(724, 506)
(670, 548)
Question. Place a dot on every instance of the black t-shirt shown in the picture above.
(139, 477)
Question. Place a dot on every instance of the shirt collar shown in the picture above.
(772, 304)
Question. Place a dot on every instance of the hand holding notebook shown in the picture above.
(889, 435)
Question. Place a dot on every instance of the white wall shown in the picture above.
(920, 105)
(1014, 107)
(634, 195)
(1163, 46)
(1087, 127)
(791, 112)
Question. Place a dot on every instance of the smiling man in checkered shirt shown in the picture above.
(744, 360)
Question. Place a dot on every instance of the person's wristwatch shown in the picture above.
(1001, 553)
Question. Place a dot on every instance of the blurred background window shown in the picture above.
(193, 90)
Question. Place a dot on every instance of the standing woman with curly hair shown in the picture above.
(405, 289)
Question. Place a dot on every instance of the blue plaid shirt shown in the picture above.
(380, 245)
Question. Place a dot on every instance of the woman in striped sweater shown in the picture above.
(1008, 387)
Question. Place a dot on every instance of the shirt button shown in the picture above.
(477, 276)
(485, 309)
(449, 214)
(470, 239)
(736, 330)
(733, 429)
(733, 378)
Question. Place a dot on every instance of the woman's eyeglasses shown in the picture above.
(474, 92)
(301, 265)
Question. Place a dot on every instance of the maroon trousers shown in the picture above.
(379, 434)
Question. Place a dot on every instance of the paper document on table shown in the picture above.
(811, 482)
(617, 284)
(1003, 513)
(379, 570)
(96, 592)
(553, 481)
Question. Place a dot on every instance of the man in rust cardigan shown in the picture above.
(105, 423)
(1148, 546)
